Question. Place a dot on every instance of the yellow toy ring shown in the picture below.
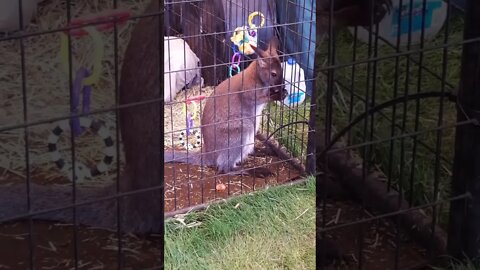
(252, 15)
(97, 56)
(194, 111)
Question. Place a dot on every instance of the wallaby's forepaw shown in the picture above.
(260, 172)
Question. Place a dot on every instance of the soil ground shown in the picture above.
(54, 248)
(189, 185)
(380, 241)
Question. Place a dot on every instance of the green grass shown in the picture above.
(270, 229)
(293, 137)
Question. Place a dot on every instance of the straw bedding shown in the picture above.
(47, 94)
(174, 117)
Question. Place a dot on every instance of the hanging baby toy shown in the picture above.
(82, 85)
(244, 38)
(191, 116)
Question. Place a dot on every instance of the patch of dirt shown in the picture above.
(189, 185)
(54, 248)
(382, 247)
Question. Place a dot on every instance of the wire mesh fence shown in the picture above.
(80, 127)
(216, 40)
(390, 115)
(67, 151)
(389, 133)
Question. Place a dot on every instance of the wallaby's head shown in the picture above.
(269, 70)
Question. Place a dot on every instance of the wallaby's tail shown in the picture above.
(193, 158)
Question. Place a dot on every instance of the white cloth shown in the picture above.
(182, 67)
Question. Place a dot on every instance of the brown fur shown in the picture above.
(231, 115)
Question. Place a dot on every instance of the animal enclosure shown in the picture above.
(81, 128)
(66, 64)
(388, 121)
(216, 40)
(396, 133)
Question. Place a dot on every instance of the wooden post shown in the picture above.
(464, 230)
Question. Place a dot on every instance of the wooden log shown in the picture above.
(373, 191)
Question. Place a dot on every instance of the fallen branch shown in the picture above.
(373, 192)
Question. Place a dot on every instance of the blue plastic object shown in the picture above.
(295, 97)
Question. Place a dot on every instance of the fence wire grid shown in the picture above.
(218, 55)
(391, 120)
(81, 140)
(395, 129)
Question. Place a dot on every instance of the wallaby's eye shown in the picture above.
(274, 74)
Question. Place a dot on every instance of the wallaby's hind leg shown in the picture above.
(227, 167)
(227, 159)
(240, 145)
(233, 149)
(230, 155)
(249, 148)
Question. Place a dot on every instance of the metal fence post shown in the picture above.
(311, 162)
(464, 231)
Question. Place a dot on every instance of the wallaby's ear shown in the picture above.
(273, 46)
(261, 54)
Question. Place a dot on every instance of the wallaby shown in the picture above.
(232, 114)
